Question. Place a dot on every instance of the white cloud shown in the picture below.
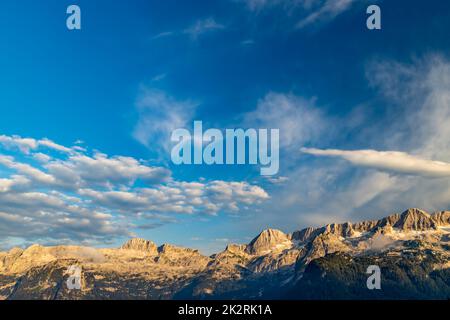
(41, 157)
(395, 161)
(100, 169)
(79, 171)
(12, 183)
(24, 145)
(27, 170)
(181, 197)
(38, 215)
(52, 145)
(28, 144)
(94, 198)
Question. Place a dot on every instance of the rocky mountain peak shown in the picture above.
(16, 251)
(241, 271)
(342, 230)
(141, 245)
(304, 235)
(415, 220)
(268, 240)
(323, 244)
(411, 220)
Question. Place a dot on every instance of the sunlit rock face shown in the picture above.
(141, 245)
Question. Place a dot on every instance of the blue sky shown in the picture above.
(108, 96)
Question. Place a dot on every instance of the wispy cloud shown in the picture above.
(420, 93)
(159, 114)
(163, 34)
(258, 5)
(327, 11)
(299, 119)
(312, 11)
(194, 31)
(414, 172)
(201, 27)
(248, 42)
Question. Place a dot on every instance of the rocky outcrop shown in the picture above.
(322, 245)
(275, 262)
(179, 256)
(340, 230)
(267, 241)
(383, 230)
(365, 226)
(141, 245)
(234, 254)
(442, 218)
(236, 248)
(7, 259)
(305, 235)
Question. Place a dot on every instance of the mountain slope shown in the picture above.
(412, 250)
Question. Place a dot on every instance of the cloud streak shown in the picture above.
(27, 145)
(394, 161)
(327, 11)
(312, 11)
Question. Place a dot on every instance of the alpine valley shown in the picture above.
(412, 250)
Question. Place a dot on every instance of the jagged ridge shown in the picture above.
(271, 264)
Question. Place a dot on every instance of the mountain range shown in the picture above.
(411, 249)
